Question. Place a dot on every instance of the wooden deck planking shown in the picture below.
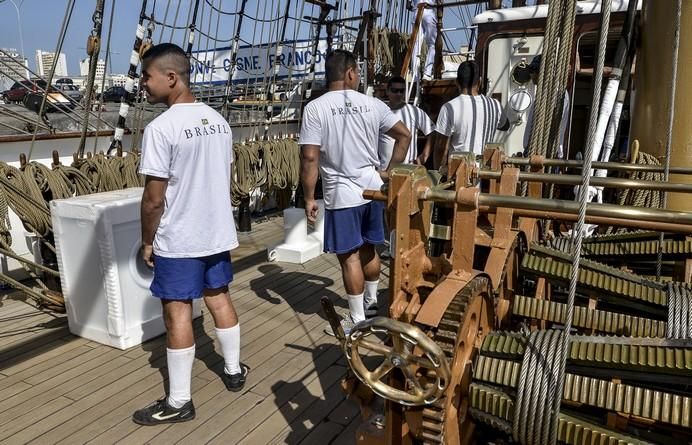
(72, 390)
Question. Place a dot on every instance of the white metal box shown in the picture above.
(104, 280)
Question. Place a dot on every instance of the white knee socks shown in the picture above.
(179, 375)
(371, 292)
(355, 304)
(229, 339)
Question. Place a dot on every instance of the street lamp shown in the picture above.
(19, 24)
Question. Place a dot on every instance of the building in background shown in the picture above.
(84, 68)
(44, 63)
(12, 68)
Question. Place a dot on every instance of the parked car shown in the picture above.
(69, 90)
(55, 101)
(19, 90)
(113, 94)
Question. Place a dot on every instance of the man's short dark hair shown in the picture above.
(173, 58)
(338, 62)
(395, 79)
(468, 74)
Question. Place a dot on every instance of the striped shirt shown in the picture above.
(414, 119)
(470, 122)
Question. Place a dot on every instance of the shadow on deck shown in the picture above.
(58, 388)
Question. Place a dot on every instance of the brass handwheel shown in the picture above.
(419, 358)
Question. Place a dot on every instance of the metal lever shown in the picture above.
(333, 319)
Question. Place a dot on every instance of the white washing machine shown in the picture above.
(104, 280)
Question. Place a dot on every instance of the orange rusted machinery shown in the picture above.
(423, 359)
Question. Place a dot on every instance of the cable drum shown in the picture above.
(534, 412)
(679, 311)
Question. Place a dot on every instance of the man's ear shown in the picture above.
(172, 78)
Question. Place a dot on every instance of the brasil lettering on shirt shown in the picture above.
(343, 111)
(206, 130)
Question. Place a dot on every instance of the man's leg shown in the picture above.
(180, 351)
(370, 262)
(227, 327)
(354, 282)
(429, 29)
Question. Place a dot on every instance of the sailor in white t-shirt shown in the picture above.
(469, 121)
(427, 33)
(187, 226)
(413, 118)
(338, 140)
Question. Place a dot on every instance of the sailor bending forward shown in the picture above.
(339, 135)
(187, 232)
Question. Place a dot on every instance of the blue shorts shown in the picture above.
(345, 230)
(187, 278)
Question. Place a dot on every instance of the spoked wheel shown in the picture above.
(421, 361)
(465, 323)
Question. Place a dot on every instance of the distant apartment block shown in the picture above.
(45, 61)
(12, 68)
(84, 68)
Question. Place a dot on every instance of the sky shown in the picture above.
(41, 22)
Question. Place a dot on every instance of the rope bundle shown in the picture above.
(391, 48)
(274, 165)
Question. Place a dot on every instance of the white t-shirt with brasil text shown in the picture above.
(346, 125)
(191, 145)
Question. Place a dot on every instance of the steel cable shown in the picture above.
(577, 232)
(669, 131)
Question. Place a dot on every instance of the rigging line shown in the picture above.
(279, 49)
(247, 80)
(61, 39)
(669, 130)
(218, 24)
(94, 41)
(165, 25)
(187, 28)
(234, 54)
(210, 37)
(219, 10)
(138, 104)
(577, 234)
(165, 16)
(175, 21)
(105, 68)
(117, 142)
(262, 20)
(193, 28)
(18, 116)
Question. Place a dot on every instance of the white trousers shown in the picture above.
(427, 32)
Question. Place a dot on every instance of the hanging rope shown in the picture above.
(139, 48)
(577, 232)
(93, 50)
(669, 132)
(49, 82)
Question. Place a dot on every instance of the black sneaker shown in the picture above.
(370, 311)
(161, 412)
(235, 382)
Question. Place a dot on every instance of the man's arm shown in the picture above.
(153, 203)
(441, 151)
(423, 158)
(309, 163)
(402, 140)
